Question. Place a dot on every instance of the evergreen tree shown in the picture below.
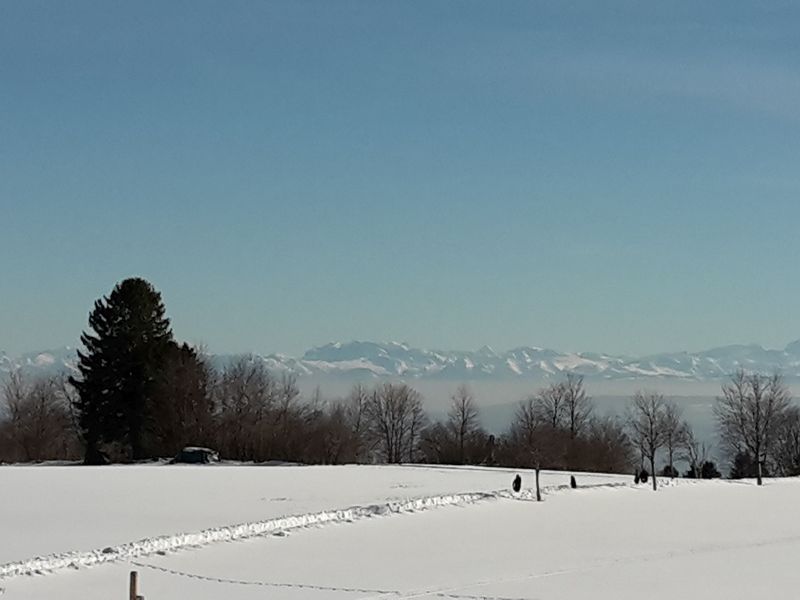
(745, 466)
(707, 471)
(126, 345)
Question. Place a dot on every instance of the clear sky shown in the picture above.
(610, 176)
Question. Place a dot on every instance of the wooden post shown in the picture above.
(134, 586)
(538, 493)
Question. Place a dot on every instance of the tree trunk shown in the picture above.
(653, 471)
(760, 482)
(93, 455)
(538, 492)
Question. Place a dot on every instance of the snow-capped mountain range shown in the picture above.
(360, 360)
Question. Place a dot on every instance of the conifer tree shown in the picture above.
(125, 346)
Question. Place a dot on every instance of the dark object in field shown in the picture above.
(95, 456)
(636, 478)
(196, 456)
(572, 483)
(644, 476)
(517, 484)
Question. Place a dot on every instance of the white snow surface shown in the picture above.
(93, 508)
(309, 532)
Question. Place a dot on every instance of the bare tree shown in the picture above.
(463, 419)
(786, 454)
(526, 425)
(246, 395)
(550, 405)
(15, 389)
(608, 447)
(577, 405)
(535, 443)
(574, 439)
(395, 416)
(565, 405)
(748, 414)
(674, 433)
(356, 418)
(287, 414)
(337, 430)
(436, 444)
(695, 452)
(323, 431)
(646, 421)
(37, 421)
(459, 439)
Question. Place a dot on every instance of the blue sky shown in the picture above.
(616, 176)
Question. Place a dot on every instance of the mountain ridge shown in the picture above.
(379, 360)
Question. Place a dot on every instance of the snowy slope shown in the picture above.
(709, 540)
(100, 507)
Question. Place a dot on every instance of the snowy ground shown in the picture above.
(470, 538)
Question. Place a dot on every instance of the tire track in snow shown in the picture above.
(172, 543)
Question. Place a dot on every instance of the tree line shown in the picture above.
(139, 394)
(248, 413)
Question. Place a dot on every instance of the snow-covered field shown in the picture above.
(389, 532)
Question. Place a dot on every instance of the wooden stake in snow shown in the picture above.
(538, 493)
(134, 587)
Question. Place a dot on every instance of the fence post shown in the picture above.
(134, 586)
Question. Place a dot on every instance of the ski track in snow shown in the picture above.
(281, 525)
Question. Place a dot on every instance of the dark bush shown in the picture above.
(668, 471)
(707, 471)
(744, 465)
